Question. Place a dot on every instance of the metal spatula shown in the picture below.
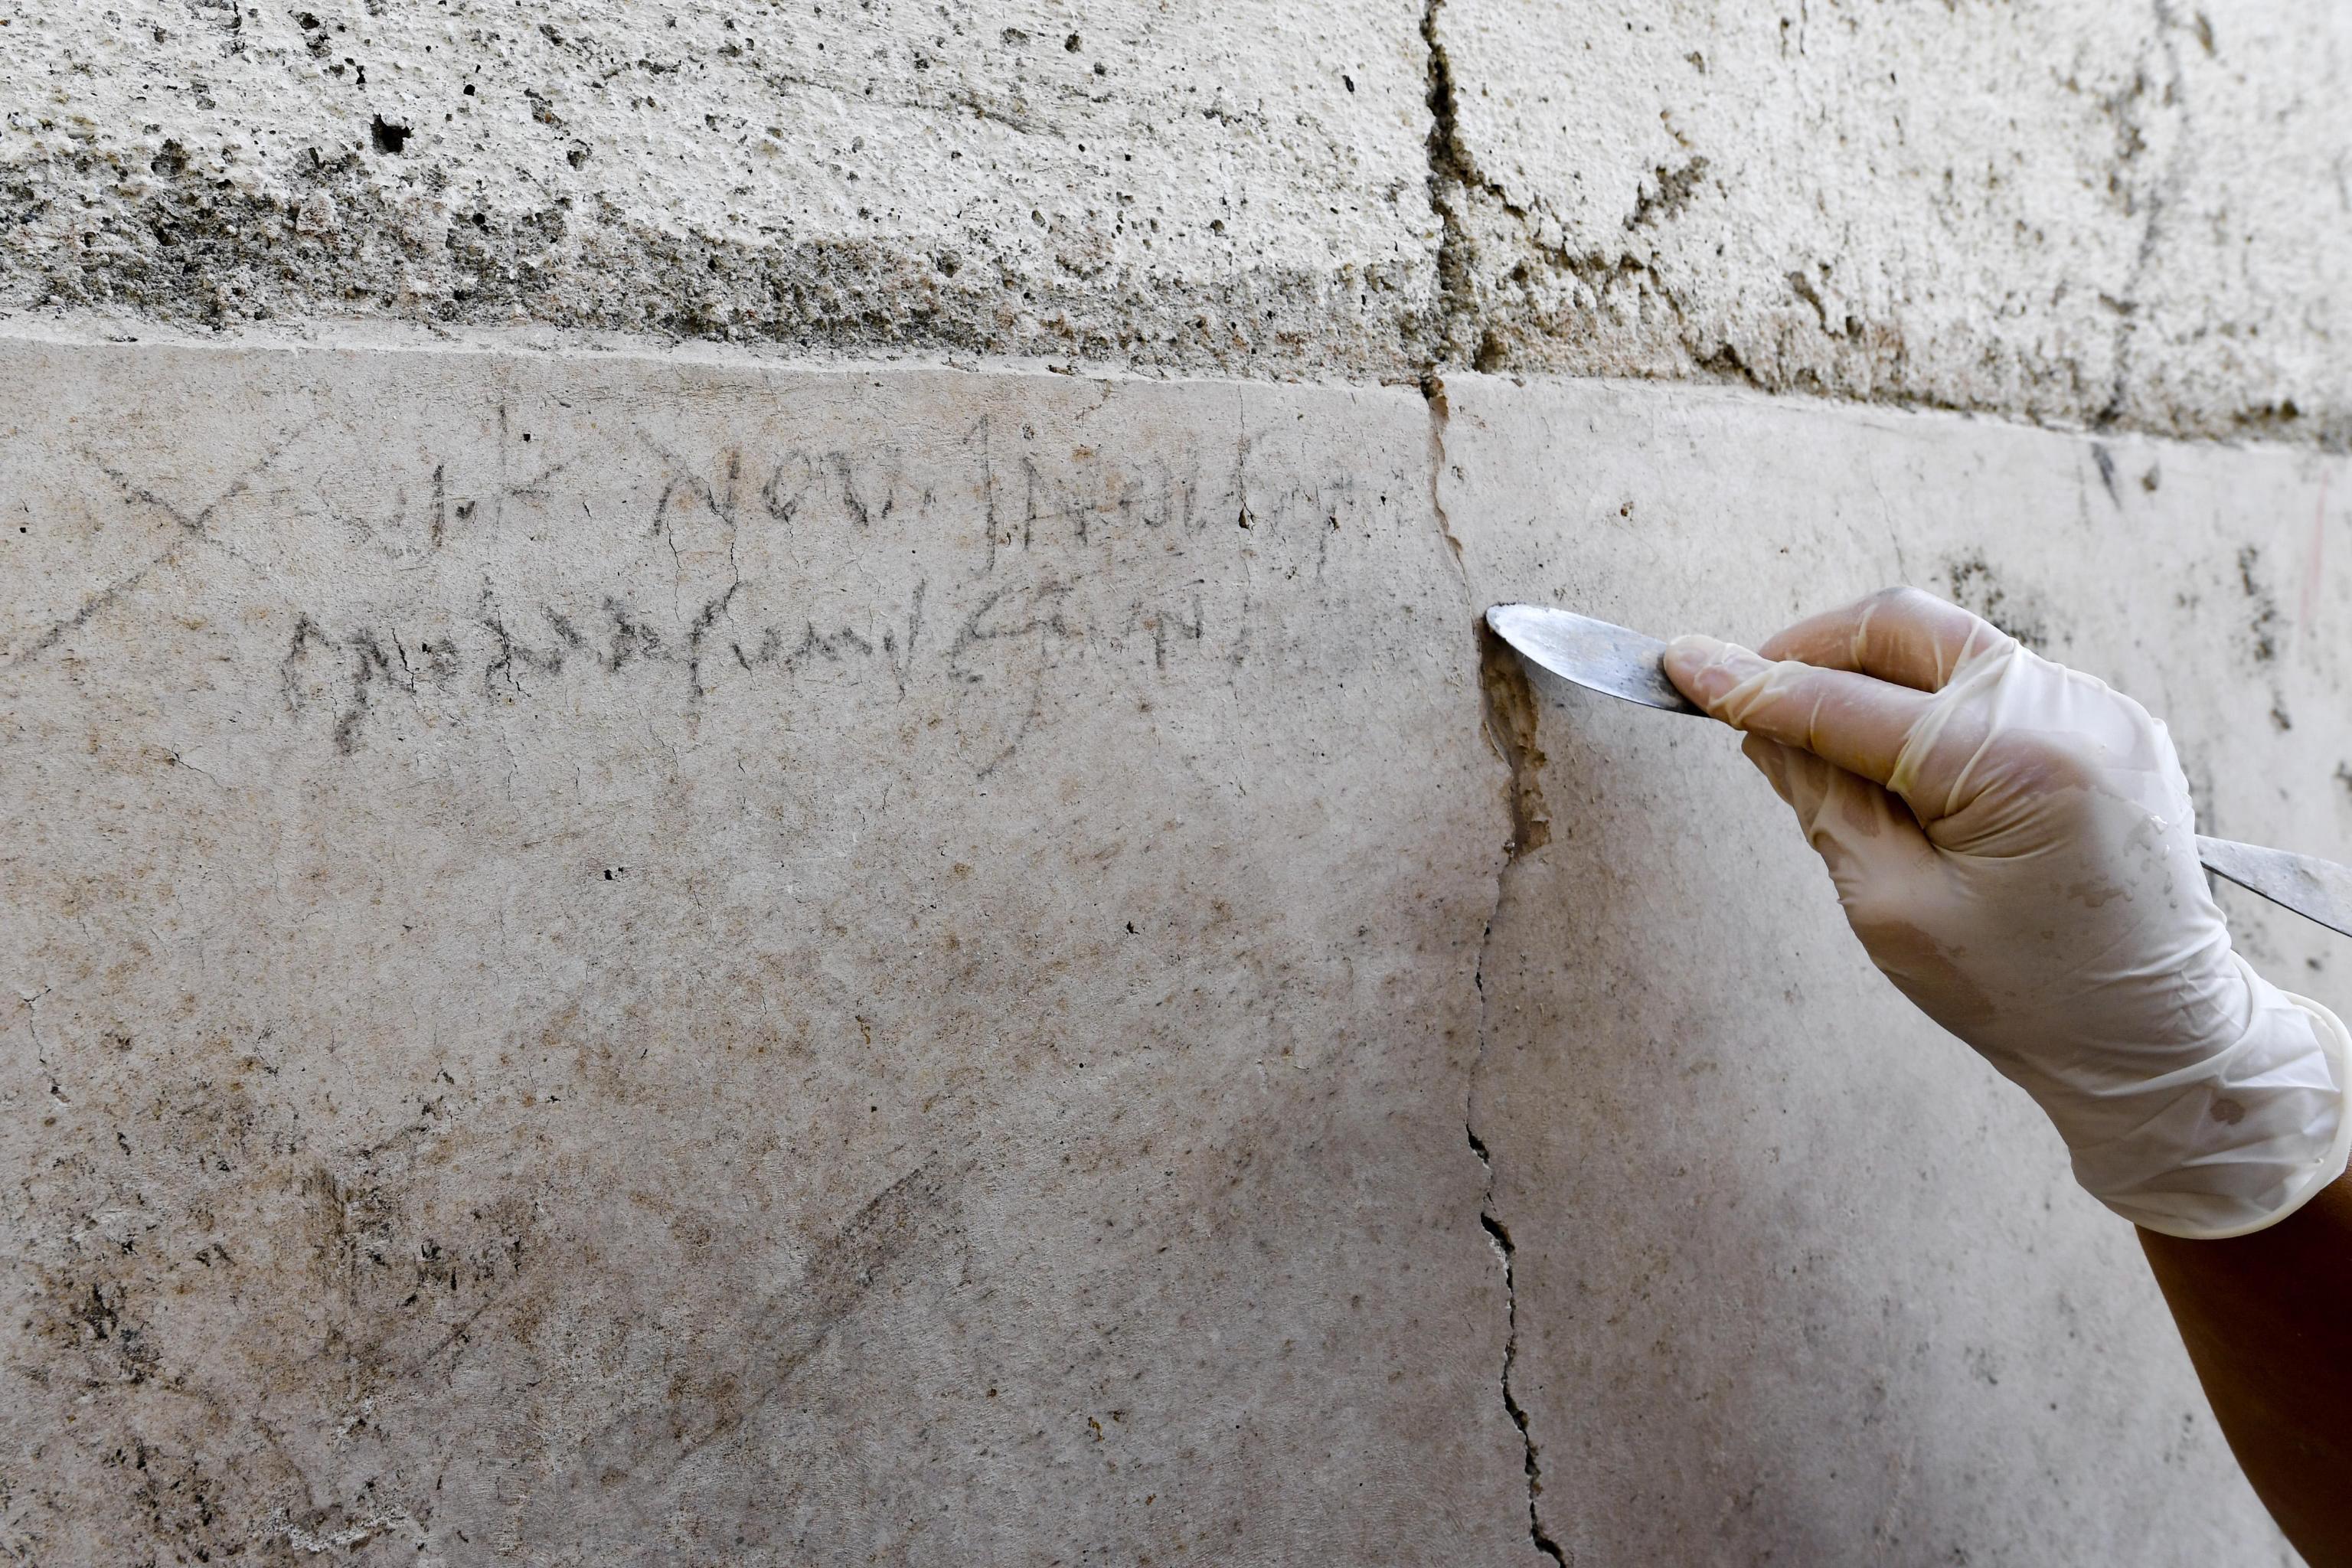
(1622, 663)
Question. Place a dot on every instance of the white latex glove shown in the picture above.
(2013, 843)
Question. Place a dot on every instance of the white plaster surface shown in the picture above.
(915, 966)
(618, 959)
(1797, 1278)
(2068, 213)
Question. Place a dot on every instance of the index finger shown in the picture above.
(1906, 636)
(1856, 722)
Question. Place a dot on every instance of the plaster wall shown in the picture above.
(623, 956)
(748, 812)
(667, 958)
(1757, 1206)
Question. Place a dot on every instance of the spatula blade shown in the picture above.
(1593, 654)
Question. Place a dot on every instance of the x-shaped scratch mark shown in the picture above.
(191, 529)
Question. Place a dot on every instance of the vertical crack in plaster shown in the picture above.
(1499, 1237)
(1450, 172)
(1510, 727)
(1508, 710)
(1432, 392)
(1462, 331)
(1509, 704)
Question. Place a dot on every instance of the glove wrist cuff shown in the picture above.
(2243, 1140)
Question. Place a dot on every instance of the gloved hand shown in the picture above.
(2013, 843)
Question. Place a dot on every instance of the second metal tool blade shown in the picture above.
(2316, 889)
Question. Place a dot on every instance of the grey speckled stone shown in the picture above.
(2073, 215)
(2082, 216)
(2078, 214)
(1149, 183)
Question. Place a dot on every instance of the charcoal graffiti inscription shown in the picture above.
(852, 570)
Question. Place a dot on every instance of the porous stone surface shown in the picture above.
(2077, 214)
(1187, 184)
(2086, 216)
(672, 957)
